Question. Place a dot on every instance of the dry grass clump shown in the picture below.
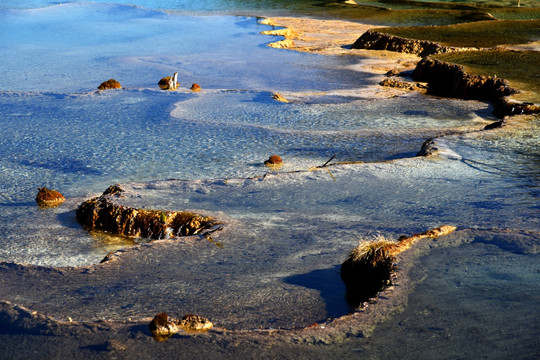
(369, 267)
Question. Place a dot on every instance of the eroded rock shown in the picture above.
(49, 198)
(101, 213)
(109, 84)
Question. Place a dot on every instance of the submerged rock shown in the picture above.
(369, 267)
(102, 213)
(109, 84)
(169, 82)
(162, 328)
(49, 198)
(195, 87)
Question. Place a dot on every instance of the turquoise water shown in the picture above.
(287, 231)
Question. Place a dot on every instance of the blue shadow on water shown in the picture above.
(329, 284)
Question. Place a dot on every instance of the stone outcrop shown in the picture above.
(49, 198)
(374, 40)
(370, 266)
(103, 214)
(109, 84)
(169, 82)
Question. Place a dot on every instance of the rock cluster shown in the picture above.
(109, 84)
(49, 198)
(163, 327)
(101, 213)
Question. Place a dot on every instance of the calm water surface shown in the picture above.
(298, 225)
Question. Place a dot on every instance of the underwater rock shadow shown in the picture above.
(329, 285)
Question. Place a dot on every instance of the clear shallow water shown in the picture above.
(289, 229)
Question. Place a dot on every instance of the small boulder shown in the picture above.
(161, 328)
(274, 161)
(49, 198)
(195, 88)
(109, 84)
(195, 323)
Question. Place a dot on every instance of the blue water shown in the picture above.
(59, 132)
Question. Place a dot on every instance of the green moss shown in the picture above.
(520, 68)
(478, 34)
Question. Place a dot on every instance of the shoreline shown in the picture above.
(394, 55)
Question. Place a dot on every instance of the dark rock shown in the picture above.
(429, 148)
(496, 125)
(49, 198)
(109, 84)
(374, 40)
